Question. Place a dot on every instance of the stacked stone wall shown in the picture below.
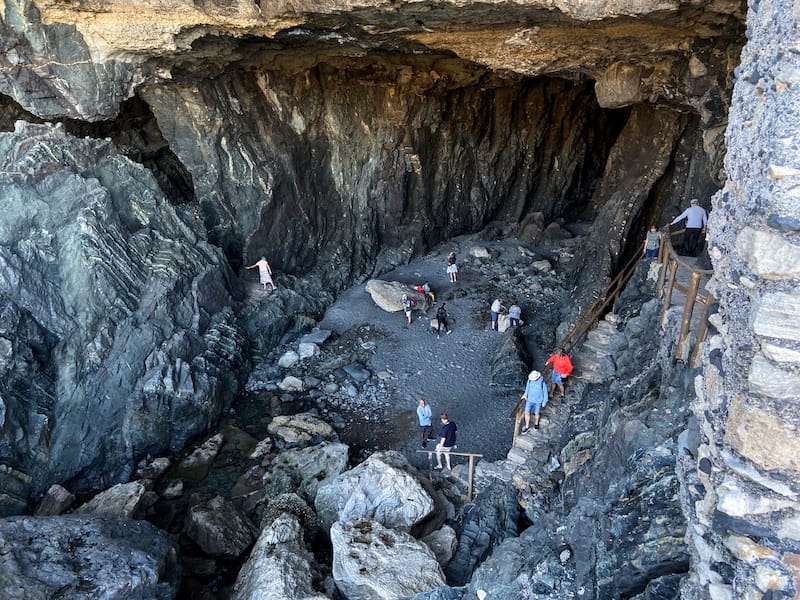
(743, 496)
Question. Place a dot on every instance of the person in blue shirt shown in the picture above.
(535, 397)
(424, 416)
(696, 220)
(408, 306)
(447, 441)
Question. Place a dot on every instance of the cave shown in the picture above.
(150, 157)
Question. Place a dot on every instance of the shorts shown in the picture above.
(651, 253)
(556, 378)
(494, 317)
(536, 405)
(452, 269)
(425, 430)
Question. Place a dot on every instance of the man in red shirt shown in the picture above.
(562, 367)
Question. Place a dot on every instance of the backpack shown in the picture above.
(420, 289)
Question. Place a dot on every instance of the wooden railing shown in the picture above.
(470, 473)
(671, 263)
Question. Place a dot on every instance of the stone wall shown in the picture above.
(743, 494)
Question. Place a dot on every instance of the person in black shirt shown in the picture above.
(441, 320)
(447, 441)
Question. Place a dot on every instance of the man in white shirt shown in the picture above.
(696, 219)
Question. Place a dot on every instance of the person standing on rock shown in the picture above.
(452, 268)
(408, 306)
(651, 242)
(424, 416)
(441, 320)
(514, 314)
(535, 397)
(264, 272)
(562, 367)
(447, 441)
(496, 308)
(696, 220)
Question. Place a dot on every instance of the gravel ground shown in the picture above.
(452, 373)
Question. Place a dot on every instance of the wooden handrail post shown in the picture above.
(471, 472)
(702, 331)
(688, 308)
(662, 260)
(673, 268)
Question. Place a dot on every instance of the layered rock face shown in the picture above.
(743, 491)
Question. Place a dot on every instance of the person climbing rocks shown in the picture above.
(651, 242)
(447, 441)
(408, 306)
(696, 220)
(426, 288)
(496, 309)
(424, 416)
(535, 397)
(441, 320)
(264, 272)
(452, 267)
(562, 368)
(514, 314)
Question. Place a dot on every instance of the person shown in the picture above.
(452, 268)
(535, 397)
(562, 367)
(514, 314)
(696, 220)
(441, 320)
(447, 441)
(496, 308)
(408, 306)
(424, 416)
(264, 272)
(651, 242)
(426, 288)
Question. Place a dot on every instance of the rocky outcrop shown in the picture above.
(116, 312)
(73, 557)
(304, 470)
(219, 528)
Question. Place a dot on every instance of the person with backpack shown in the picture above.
(535, 397)
(408, 306)
(441, 320)
(562, 368)
(447, 441)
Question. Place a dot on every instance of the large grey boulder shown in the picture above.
(279, 567)
(382, 488)
(301, 428)
(86, 557)
(305, 469)
(219, 528)
(121, 500)
(117, 311)
(389, 295)
(371, 562)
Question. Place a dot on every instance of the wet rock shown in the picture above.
(382, 488)
(219, 528)
(55, 502)
(301, 428)
(279, 566)
(86, 557)
(122, 500)
(195, 466)
(289, 359)
(371, 562)
(304, 470)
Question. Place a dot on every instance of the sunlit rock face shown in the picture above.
(338, 138)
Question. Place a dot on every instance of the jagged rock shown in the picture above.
(510, 361)
(263, 448)
(155, 469)
(371, 562)
(443, 542)
(279, 566)
(16, 487)
(389, 295)
(86, 557)
(491, 518)
(381, 489)
(122, 500)
(55, 502)
(195, 466)
(289, 359)
(300, 428)
(304, 470)
(219, 528)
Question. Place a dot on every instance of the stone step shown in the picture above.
(517, 455)
(606, 326)
(595, 347)
(589, 376)
(600, 337)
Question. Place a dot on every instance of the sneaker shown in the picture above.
(437, 468)
(449, 331)
(536, 426)
(525, 430)
(424, 444)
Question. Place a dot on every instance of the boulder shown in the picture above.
(56, 501)
(307, 350)
(371, 562)
(304, 469)
(195, 466)
(479, 252)
(510, 361)
(382, 488)
(389, 295)
(300, 428)
(503, 323)
(291, 384)
(279, 567)
(542, 265)
(73, 556)
(289, 359)
(318, 337)
(122, 500)
(531, 228)
(155, 468)
(357, 371)
(443, 543)
(173, 490)
(554, 231)
(219, 528)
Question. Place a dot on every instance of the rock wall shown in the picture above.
(742, 493)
